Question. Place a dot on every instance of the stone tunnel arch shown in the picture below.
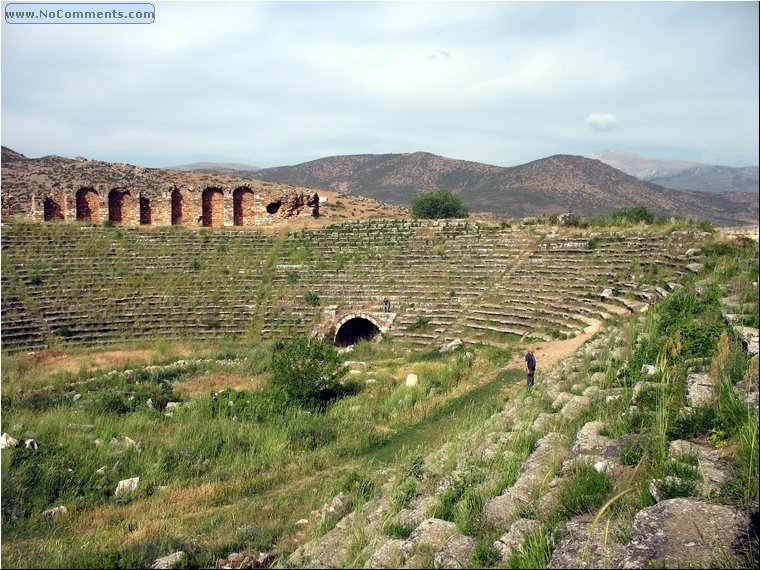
(242, 206)
(119, 206)
(353, 328)
(88, 205)
(213, 207)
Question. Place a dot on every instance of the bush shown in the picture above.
(307, 371)
(438, 204)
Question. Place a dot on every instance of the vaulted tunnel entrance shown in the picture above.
(354, 330)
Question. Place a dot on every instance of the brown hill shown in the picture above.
(550, 185)
(21, 176)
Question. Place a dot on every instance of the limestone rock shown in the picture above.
(7, 441)
(356, 365)
(695, 267)
(171, 561)
(55, 512)
(749, 338)
(578, 550)
(561, 399)
(502, 509)
(412, 380)
(700, 389)
(127, 486)
(431, 535)
(649, 370)
(588, 440)
(713, 462)
(456, 553)
(451, 346)
(680, 533)
(543, 422)
(418, 512)
(514, 539)
(672, 485)
(574, 408)
(388, 554)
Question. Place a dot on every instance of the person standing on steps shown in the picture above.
(530, 365)
(386, 305)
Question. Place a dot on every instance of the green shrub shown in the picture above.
(438, 204)
(307, 371)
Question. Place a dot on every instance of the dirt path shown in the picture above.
(549, 354)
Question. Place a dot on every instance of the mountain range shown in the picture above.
(556, 184)
(560, 183)
(681, 174)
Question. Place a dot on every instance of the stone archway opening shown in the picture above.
(53, 210)
(273, 207)
(118, 206)
(88, 205)
(242, 206)
(354, 330)
(146, 211)
(213, 207)
(177, 207)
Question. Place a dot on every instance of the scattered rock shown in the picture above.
(7, 441)
(56, 512)
(127, 486)
(649, 370)
(171, 561)
(412, 380)
(451, 346)
(695, 267)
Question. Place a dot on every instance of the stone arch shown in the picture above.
(53, 209)
(119, 206)
(146, 211)
(242, 206)
(213, 207)
(88, 205)
(355, 327)
(178, 207)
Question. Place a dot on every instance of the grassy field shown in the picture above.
(226, 467)
(224, 470)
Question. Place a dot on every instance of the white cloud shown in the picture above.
(602, 122)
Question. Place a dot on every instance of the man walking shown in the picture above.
(530, 365)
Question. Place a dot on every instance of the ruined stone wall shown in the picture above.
(213, 206)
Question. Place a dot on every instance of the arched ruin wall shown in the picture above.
(293, 204)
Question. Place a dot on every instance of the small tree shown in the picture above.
(438, 204)
(307, 370)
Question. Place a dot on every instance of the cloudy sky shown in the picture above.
(276, 83)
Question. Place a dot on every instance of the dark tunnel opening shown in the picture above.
(354, 330)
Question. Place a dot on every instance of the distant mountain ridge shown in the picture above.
(550, 185)
(683, 175)
(212, 167)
